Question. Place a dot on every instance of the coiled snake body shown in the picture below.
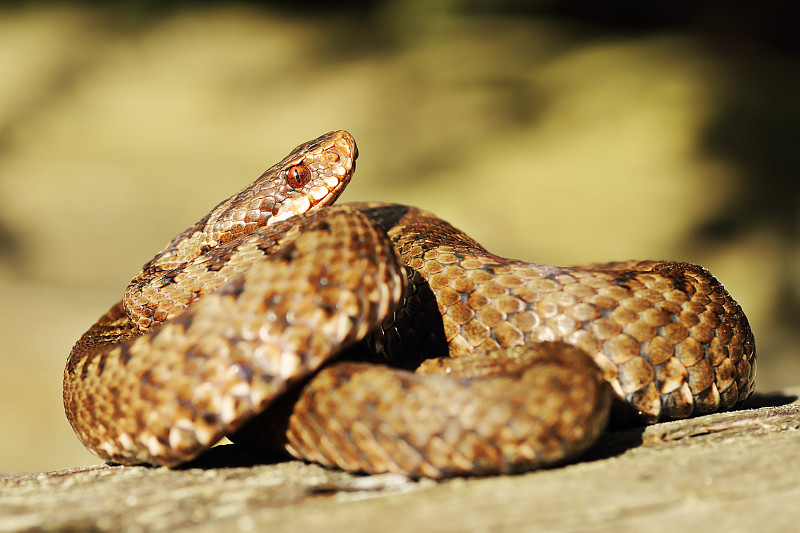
(254, 322)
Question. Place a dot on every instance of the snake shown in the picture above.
(376, 337)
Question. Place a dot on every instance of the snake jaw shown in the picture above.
(291, 207)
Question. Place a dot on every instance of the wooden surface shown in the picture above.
(728, 472)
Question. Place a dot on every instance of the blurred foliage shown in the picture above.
(771, 21)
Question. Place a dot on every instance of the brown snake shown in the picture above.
(256, 322)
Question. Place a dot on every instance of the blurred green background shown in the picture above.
(552, 131)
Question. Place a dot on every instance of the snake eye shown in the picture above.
(297, 176)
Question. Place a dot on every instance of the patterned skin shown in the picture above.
(235, 329)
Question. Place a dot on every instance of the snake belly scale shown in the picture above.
(378, 338)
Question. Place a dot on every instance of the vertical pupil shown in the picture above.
(297, 176)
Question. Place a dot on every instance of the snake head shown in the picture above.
(313, 175)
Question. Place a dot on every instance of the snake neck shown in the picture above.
(312, 176)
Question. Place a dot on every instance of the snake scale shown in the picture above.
(378, 338)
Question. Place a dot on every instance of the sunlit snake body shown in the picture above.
(226, 330)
